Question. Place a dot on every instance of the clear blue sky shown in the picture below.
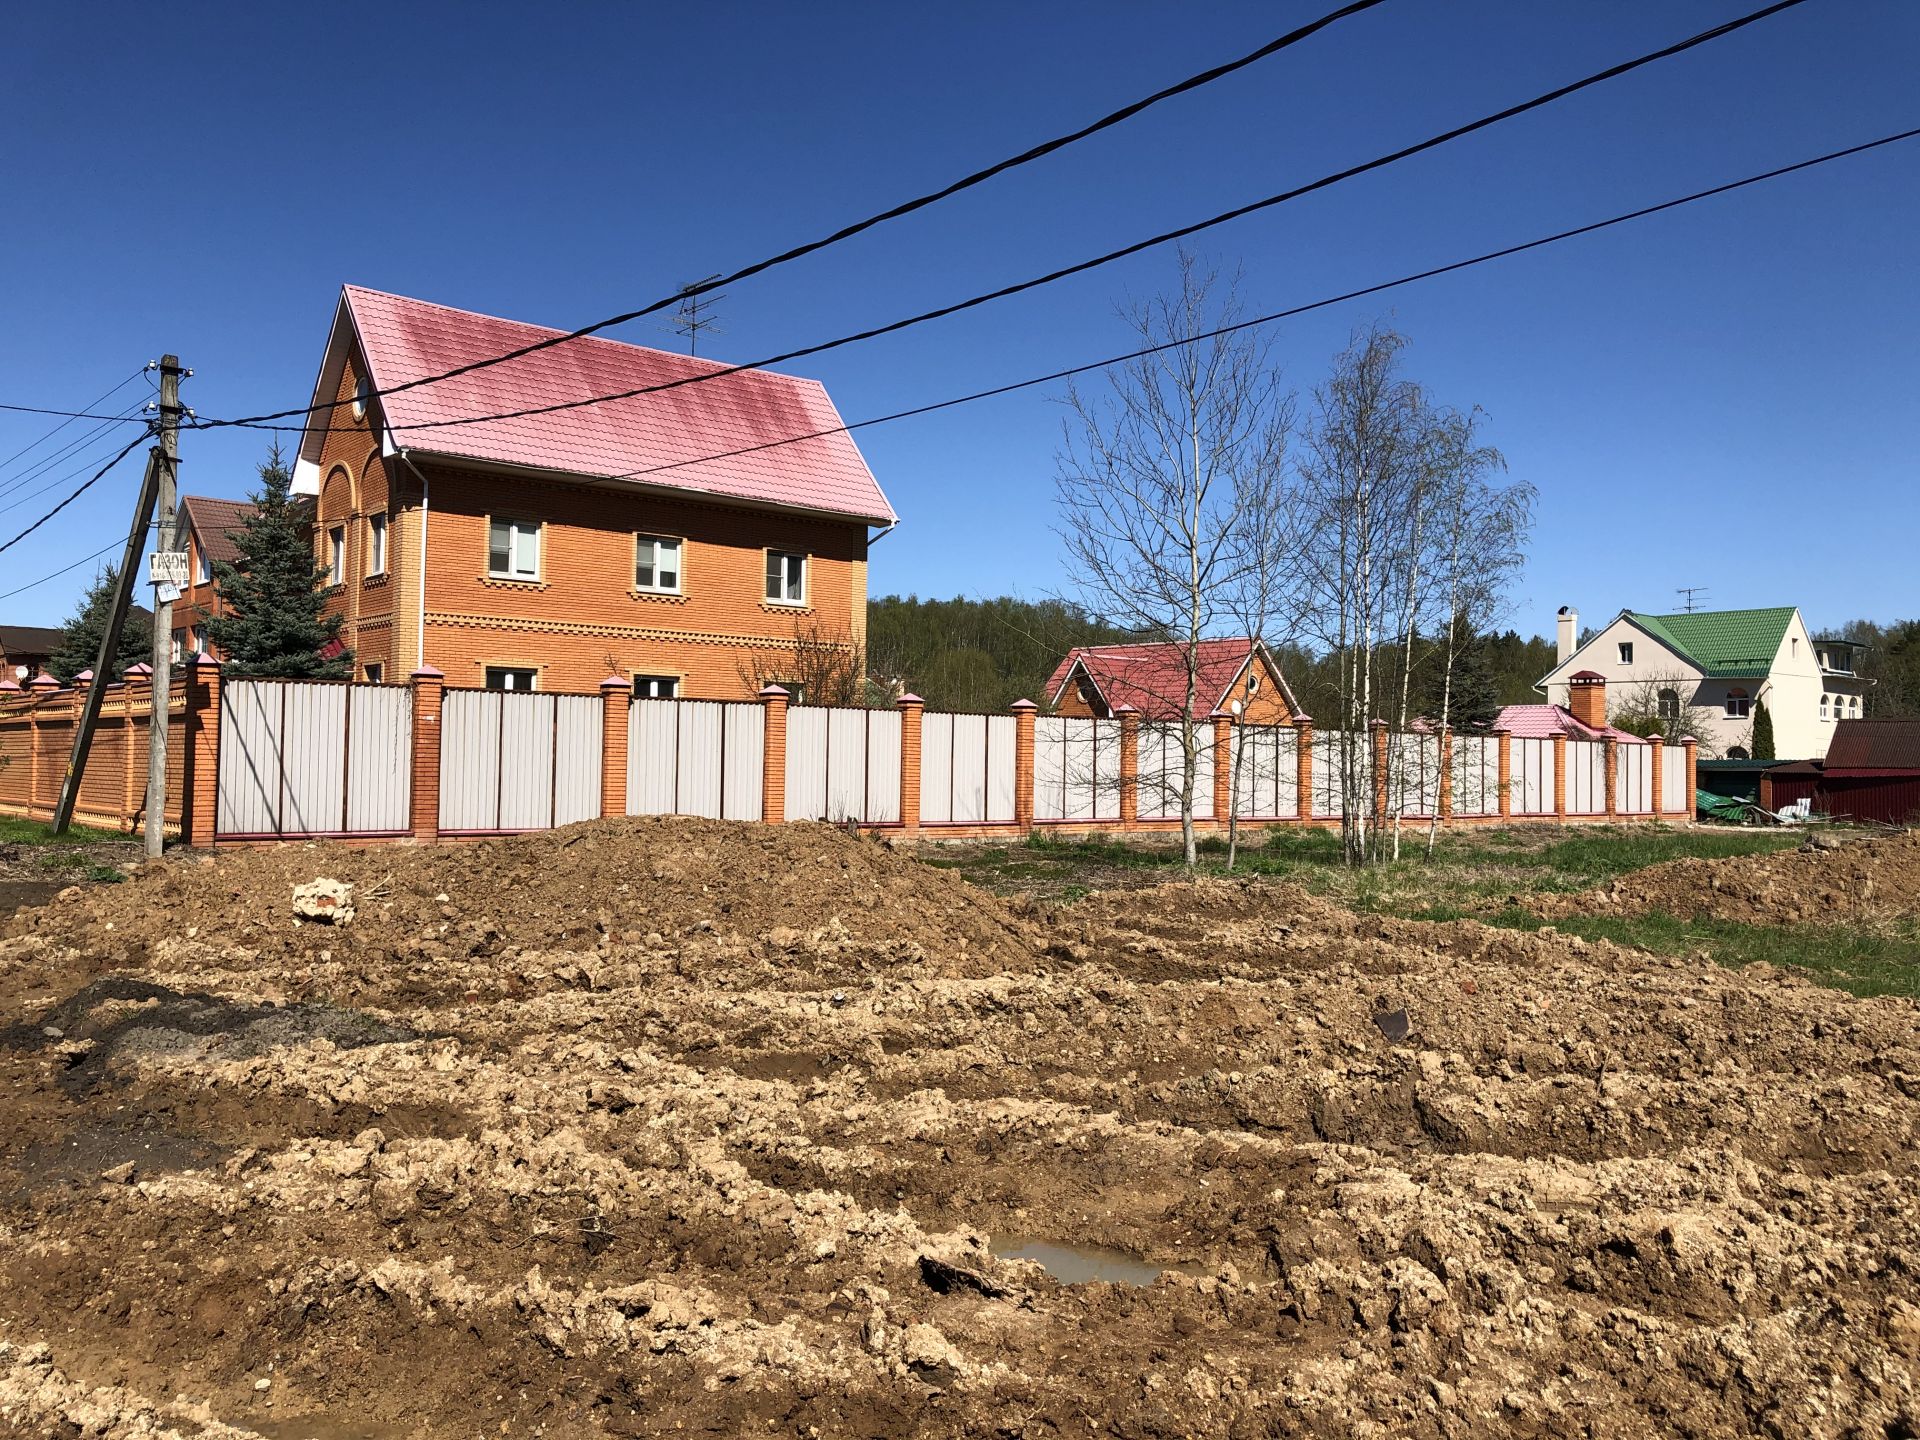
(1722, 397)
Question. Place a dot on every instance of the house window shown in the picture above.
(656, 687)
(1738, 752)
(202, 572)
(786, 578)
(197, 638)
(513, 549)
(656, 564)
(178, 646)
(509, 677)
(1626, 652)
(377, 544)
(362, 392)
(373, 671)
(336, 554)
(1823, 707)
(1669, 704)
(1736, 704)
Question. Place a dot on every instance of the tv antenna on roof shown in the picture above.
(691, 317)
(1691, 596)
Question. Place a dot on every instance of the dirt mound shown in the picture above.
(758, 1161)
(1861, 879)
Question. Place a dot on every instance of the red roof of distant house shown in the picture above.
(1543, 722)
(212, 520)
(1874, 745)
(672, 438)
(1153, 678)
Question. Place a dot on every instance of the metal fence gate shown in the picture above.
(314, 757)
(518, 760)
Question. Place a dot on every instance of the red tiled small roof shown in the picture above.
(406, 339)
(1543, 722)
(1153, 678)
(212, 521)
(1875, 745)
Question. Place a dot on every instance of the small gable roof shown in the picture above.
(683, 439)
(1723, 644)
(212, 520)
(1152, 678)
(17, 640)
(1543, 722)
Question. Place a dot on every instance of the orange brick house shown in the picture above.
(663, 537)
(1097, 680)
(205, 523)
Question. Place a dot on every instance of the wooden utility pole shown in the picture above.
(164, 540)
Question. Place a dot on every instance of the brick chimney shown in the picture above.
(1569, 632)
(1587, 698)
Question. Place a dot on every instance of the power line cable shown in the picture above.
(69, 569)
(82, 489)
(1324, 182)
(71, 416)
(53, 484)
(64, 453)
(846, 232)
(1277, 315)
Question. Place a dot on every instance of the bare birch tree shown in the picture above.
(1155, 478)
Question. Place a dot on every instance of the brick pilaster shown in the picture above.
(1222, 768)
(1446, 774)
(773, 765)
(1656, 745)
(616, 701)
(1766, 792)
(1560, 776)
(200, 752)
(912, 712)
(1612, 763)
(429, 691)
(1129, 767)
(1023, 716)
(1380, 741)
(1505, 738)
(1687, 802)
(1303, 765)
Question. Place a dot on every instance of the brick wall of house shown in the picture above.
(356, 482)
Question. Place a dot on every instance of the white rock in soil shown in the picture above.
(327, 900)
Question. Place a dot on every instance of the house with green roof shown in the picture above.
(1715, 666)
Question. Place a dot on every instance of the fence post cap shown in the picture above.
(1023, 705)
(773, 692)
(1220, 715)
(614, 682)
(85, 677)
(139, 668)
(1123, 708)
(11, 686)
(1500, 730)
(1379, 724)
(1300, 717)
(909, 699)
(203, 660)
(43, 681)
(1688, 740)
(426, 672)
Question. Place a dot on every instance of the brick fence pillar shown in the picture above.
(1766, 792)
(1023, 717)
(616, 701)
(200, 751)
(912, 713)
(1659, 797)
(1446, 774)
(1688, 802)
(773, 765)
(1129, 767)
(1380, 743)
(429, 694)
(1505, 739)
(1222, 768)
(1303, 766)
(1560, 776)
(1612, 772)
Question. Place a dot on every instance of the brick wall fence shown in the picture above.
(36, 736)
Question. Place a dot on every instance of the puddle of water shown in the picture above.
(1077, 1264)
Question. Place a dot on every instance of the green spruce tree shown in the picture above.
(80, 638)
(276, 593)
(1762, 731)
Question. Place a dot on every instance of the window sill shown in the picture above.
(790, 607)
(509, 582)
(671, 597)
(380, 578)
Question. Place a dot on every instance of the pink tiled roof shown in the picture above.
(1543, 722)
(405, 339)
(1153, 678)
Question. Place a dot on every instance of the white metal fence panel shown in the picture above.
(1533, 779)
(1674, 794)
(696, 757)
(1476, 775)
(527, 761)
(1162, 763)
(1002, 763)
(578, 739)
(1267, 784)
(470, 760)
(1328, 763)
(967, 768)
(1076, 768)
(843, 764)
(1633, 779)
(1413, 775)
(314, 757)
(518, 760)
(1586, 777)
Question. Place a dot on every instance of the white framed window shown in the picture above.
(656, 563)
(656, 687)
(202, 572)
(177, 646)
(377, 543)
(197, 639)
(1626, 652)
(1823, 707)
(786, 577)
(373, 670)
(336, 554)
(511, 677)
(1737, 705)
(513, 549)
(362, 392)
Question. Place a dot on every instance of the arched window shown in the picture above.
(1737, 752)
(1669, 704)
(1853, 706)
(1823, 707)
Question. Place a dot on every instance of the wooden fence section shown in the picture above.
(277, 759)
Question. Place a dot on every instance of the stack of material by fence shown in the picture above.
(696, 757)
(1533, 780)
(1267, 782)
(1586, 777)
(303, 757)
(516, 760)
(1076, 768)
(36, 740)
(1162, 763)
(1633, 779)
(844, 764)
(1476, 775)
(967, 769)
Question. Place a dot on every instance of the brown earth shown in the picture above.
(671, 1127)
(1859, 880)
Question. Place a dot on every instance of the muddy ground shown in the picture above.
(671, 1127)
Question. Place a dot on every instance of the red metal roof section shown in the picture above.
(1153, 678)
(1543, 722)
(406, 339)
(1874, 745)
(213, 520)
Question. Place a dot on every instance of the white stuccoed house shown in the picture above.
(1724, 662)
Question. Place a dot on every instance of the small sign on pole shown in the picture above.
(167, 569)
